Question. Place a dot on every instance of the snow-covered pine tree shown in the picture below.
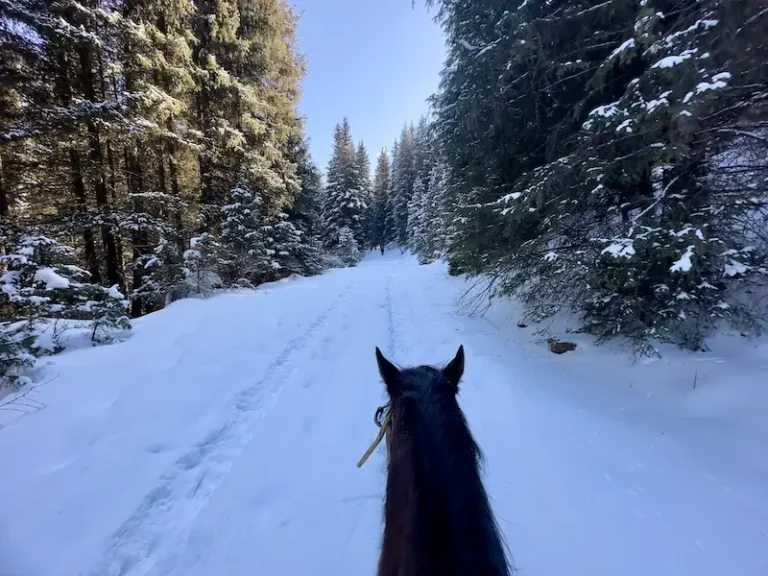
(682, 248)
(443, 209)
(390, 225)
(422, 212)
(363, 164)
(403, 178)
(159, 79)
(417, 218)
(305, 212)
(347, 249)
(378, 209)
(289, 252)
(202, 264)
(243, 246)
(42, 284)
(344, 202)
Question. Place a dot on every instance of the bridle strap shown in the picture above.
(382, 419)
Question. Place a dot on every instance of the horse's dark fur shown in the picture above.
(438, 520)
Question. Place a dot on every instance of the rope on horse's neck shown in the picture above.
(382, 431)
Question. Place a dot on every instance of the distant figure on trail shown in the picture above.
(437, 517)
(382, 250)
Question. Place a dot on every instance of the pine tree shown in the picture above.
(417, 223)
(42, 284)
(202, 264)
(305, 212)
(243, 246)
(344, 203)
(347, 249)
(403, 178)
(390, 225)
(378, 209)
(365, 186)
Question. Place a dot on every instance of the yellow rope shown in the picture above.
(377, 441)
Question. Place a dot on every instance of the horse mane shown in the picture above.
(439, 518)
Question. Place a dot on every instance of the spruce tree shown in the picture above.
(344, 202)
(378, 209)
(365, 185)
(403, 178)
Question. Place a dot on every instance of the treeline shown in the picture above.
(148, 149)
(404, 205)
(609, 158)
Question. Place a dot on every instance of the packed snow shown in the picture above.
(222, 437)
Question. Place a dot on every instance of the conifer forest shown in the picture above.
(604, 157)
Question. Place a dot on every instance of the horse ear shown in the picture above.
(455, 368)
(389, 372)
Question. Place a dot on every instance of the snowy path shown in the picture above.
(222, 439)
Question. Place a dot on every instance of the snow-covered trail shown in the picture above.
(222, 438)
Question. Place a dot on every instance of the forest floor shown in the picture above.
(221, 439)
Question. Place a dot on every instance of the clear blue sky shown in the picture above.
(374, 61)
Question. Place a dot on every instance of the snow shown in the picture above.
(486, 48)
(734, 268)
(606, 111)
(672, 61)
(683, 264)
(508, 197)
(626, 45)
(114, 292)
(622, 248)
(51, 279)
(707, 86)
(222, 437)
(651, 105)
(625, 126)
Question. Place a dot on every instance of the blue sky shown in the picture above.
(374, 61)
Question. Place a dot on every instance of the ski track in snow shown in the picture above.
(222, 440)
(189, 484)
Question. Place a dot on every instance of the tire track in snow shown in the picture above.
(186, 487)
(390, 319)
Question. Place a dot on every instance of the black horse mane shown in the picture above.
(435, 495)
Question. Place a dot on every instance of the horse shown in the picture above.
(438, 520)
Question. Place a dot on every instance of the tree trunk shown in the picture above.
(64, 91)
(205, 116)
(96, 156)
(138, 236)
(3, 192)
(113, 168)
(78, 188)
